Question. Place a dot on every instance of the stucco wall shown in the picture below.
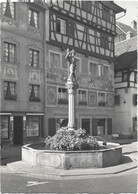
(122, 122)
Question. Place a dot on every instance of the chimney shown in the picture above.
(129, 35)
(134, 25)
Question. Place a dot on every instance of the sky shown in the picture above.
(131, 11)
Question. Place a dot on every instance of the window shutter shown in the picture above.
(135, 99)
(51, 126)
(94, 127)
(109, 126)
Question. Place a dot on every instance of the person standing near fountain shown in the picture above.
(72, 86)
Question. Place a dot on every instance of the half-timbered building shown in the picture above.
(125, 120)
(89, 28)
(35, 36)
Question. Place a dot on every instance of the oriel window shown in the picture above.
(9, 9)
(33, 58)
(34, 93)
(9, 52)
(33, 18)
(61, 26)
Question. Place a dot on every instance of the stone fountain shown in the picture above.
(109, 154)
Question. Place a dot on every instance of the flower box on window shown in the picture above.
(82, 103)
(10, 97)
(34, 99)
(63, 101)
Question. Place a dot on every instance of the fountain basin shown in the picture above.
(109, 155)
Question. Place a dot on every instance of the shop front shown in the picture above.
(21, 128)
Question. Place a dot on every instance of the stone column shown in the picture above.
(72, 86)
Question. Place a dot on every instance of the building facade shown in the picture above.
(35, 36)
(125, 31)
(125, 120)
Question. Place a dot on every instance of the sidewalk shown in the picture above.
(10, 154)
(15, 164)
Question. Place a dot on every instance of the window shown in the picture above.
(105, 71)
(135, 99)
(124, 77)
(55, 60)
(61, 26)
(93, 69)
(134, 124)
(61, 122)
(34, 93)
(9, 52)
(33, 58)
(104, 41)
(32, 126)
(9, 91)
(5, 127)
(87, 6)
(135, 77)
(82, 97)
(101, 99)
(106, 13)
(100, 70)
(33, 18)
(62, 96)
(117, 100)
(9, 10)
(100, 126)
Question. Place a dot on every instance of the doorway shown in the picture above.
(18, 130)
(86, 125)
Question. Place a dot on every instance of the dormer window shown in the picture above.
(33, 18)
(9, 10)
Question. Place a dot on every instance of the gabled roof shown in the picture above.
(125, 28)
(126, 60)
(126, 46)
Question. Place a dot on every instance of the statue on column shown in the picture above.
(70, 56)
